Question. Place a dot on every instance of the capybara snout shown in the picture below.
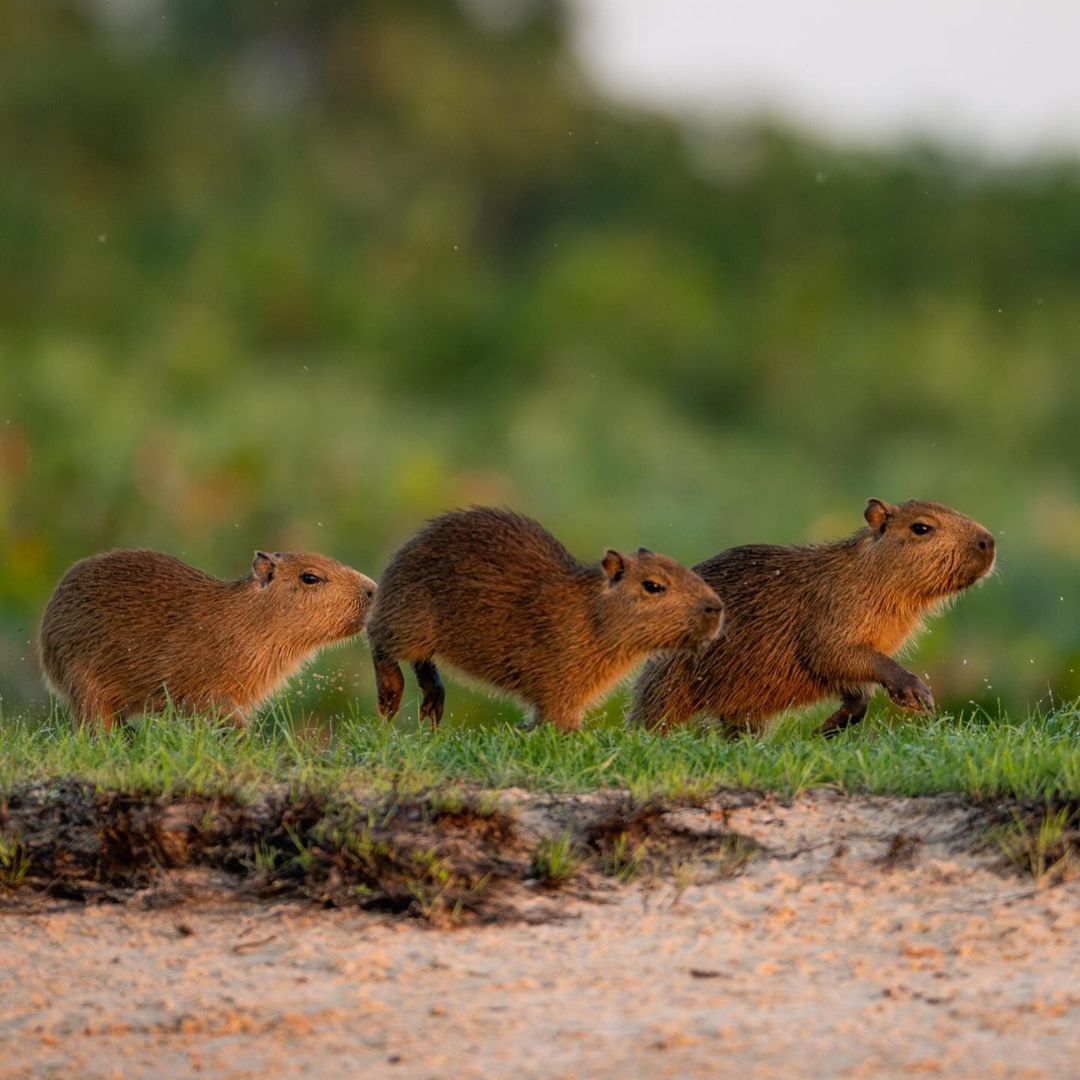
(668, 604)
(711, 619)
(329, 601)
(987, 548)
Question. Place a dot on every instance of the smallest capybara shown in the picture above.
(127, 631)
(496, 596)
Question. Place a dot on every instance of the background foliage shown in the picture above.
(301, 275)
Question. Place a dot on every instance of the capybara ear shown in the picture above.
(877, 513)
(614, 564)
(644, 551)
(262, 567)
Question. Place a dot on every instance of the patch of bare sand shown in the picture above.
(869, 942)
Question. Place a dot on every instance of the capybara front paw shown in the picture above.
(912, 694)
(431, 710)
(389, 702)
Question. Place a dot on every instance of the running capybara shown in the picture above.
(807, 623)
(496, 596)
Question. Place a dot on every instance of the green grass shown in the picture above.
(973, 754)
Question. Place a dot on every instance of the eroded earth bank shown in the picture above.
(829, 936)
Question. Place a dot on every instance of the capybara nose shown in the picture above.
(986, 542)
(711, 605)
(712, 616)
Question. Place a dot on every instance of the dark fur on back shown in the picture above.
(494, 594)
(127, 630)
(806, 623)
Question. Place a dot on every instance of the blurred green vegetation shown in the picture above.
(301, 275)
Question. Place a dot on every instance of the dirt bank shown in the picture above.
(868, 940)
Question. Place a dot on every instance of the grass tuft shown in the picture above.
(557, 859)
(1045, 848)
(14, 861)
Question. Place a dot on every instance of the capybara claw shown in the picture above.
(913, 695)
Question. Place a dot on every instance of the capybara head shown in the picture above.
(657, 603)
(323, 600)
(937, 551)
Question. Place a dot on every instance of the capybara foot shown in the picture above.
(237, 718)
(912, 693)
(564, 721)
(391, 685)
(427, 675)
(94, 712)
(431, 708)
(852, 710)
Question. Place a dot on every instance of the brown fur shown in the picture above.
(806, 623)
(498, 597)
(132, 630)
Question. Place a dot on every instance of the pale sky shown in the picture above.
(998, 76)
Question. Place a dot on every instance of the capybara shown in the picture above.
(807, 623)
(127, 631)
(495, 595)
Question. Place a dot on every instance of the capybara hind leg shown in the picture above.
(564, 719)
(853, 705)
(96, 716)
(391, 685)
(639, 715)
(669, 721)
(427, 675)
(664, 718)
(237, 717)
(93, 711)
(655, 706)
(532, 721)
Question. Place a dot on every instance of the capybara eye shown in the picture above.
(309, 578)
(920, 528)
(653, 587)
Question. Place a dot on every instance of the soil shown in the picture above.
(828, 936)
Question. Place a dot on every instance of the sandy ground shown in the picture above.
(870, 944)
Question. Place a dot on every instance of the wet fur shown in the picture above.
(807, 623)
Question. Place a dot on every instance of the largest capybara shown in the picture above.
(807, 623)
(499, 598)
(127, 631)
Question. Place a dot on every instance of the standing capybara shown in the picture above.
(806, 623)
(132, 630)
(499, 598)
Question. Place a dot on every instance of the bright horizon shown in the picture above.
(993, 76)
